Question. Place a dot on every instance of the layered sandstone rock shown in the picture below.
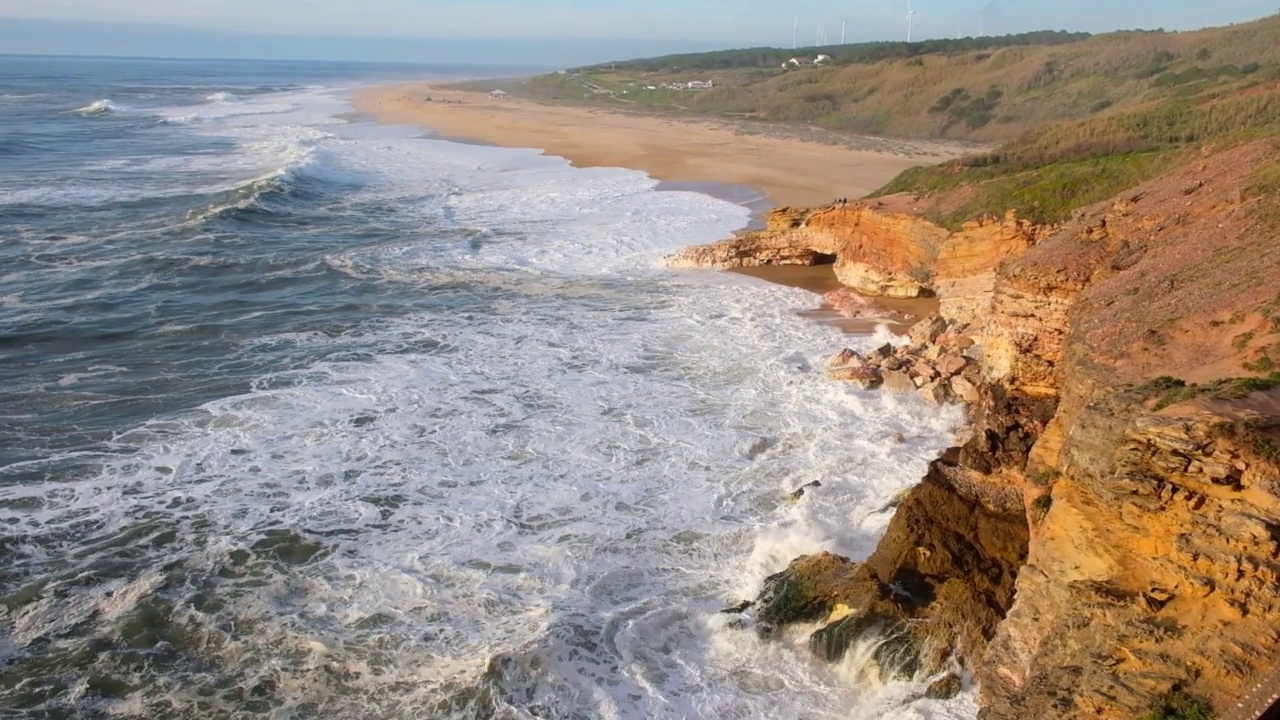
(1162, 540)
(964, 271)
(879, 253)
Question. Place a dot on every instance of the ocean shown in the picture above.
(302, 416)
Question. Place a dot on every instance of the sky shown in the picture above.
(242, 28)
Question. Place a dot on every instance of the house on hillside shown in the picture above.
(498, 95)
(800, 62)
(822, 60)
(701, 85)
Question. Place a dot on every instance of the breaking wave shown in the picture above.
(97, 108)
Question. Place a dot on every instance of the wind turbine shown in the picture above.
(843, 25)
(911, 17)
(795, 33)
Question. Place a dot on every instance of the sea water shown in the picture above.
(306, 417)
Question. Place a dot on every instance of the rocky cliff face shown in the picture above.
(878, 253)
(1110, 532)
(1153, 559)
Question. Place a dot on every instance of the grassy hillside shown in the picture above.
(995, 94)
(853, 54)
(1048, 174)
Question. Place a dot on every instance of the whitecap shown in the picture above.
(97, 108)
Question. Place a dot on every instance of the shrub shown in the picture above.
(1181, 705)
(1177, 395)
(1263, 364)
(1248, 434)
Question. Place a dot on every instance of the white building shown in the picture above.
(498, 94)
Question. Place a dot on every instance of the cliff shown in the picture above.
(880, 252)
(1110, 532)
(1153, 561)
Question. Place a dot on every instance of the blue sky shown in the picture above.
(665, 24)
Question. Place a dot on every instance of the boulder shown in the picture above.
(882, 353)
(897, 381)
(846, 296)
(928, 330)
(847, 359)
(924, 369)
(866, 377)
(951, 365)
(808, 590)
(800, 491)
(945, 687)
(935, 392)
(964, 389)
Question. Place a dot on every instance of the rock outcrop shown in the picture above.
(878, 253)
(931, 594)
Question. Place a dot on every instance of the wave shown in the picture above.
(222, 106)
(271, 194)
(97, 108)
(179, 119)
(249, 198)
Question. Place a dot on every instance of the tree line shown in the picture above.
(853, 54)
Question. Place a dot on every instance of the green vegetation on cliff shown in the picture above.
(1050, 173)
(1172, 391)
(1181, 706)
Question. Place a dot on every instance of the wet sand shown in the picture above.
(821, 279)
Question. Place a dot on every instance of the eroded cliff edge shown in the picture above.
(1110, 532)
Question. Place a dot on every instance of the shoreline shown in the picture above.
(787, 170)
(756, 171)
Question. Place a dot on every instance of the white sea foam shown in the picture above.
(259, 161)
(221, 98)
(560, 477)
(179, 119)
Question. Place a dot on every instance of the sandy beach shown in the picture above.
(791, 171)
